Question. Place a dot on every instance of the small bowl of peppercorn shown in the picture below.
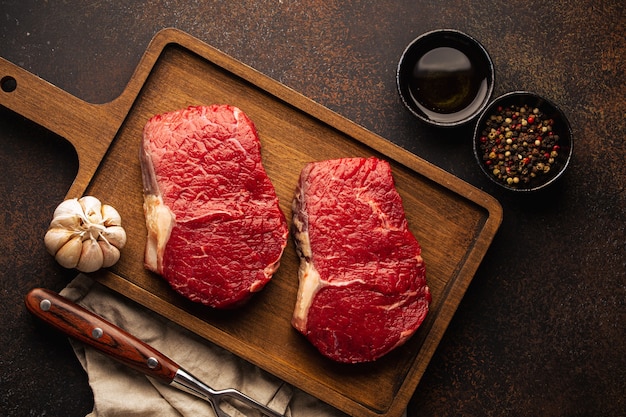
(522, 141)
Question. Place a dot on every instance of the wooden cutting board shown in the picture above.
(453, 221)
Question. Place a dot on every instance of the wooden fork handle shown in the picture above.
(93, 330)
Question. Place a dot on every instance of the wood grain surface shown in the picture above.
(453, 221)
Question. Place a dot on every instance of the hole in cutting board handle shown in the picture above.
(8, 84)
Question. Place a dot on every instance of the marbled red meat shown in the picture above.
(362, 284)
(215, 230)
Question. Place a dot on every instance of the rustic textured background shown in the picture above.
(541, 328)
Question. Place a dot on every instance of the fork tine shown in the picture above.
(244, 399)
(189, 383)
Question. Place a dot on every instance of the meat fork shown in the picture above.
(109, 339)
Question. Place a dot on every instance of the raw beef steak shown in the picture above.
(215, 230)
(362, 289)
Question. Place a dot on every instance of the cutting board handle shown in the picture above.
(90, 128)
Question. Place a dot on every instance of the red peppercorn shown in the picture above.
(531, 119)
(556, 147)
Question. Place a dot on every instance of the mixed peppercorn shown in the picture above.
(518, 146)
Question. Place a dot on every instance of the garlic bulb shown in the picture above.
(85, 234)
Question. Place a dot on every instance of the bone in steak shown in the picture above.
(362, 288)
(215, 229)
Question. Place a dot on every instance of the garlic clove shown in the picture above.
(91, 256)
(69, 254)
(70, 222)
(92, 207)
(111, 216)
(68, 206)
(57, 237)
(110, 254)
(115, 235)
(68, 214)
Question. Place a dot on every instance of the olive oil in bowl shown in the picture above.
(445, 78)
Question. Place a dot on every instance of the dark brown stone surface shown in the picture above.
(541, 328)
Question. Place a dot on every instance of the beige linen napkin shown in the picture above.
(120, 391)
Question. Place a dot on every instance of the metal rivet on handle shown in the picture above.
(45, 305)
(97, 333)
(152, 362)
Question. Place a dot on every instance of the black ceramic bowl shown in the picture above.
(523, 142)
(445, 78)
